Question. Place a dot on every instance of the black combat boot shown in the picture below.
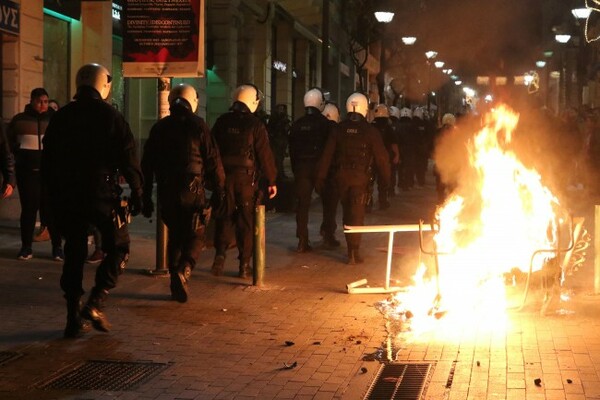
(93, 310)
(218, 265)
(245, 269)
(179, 280)
(76, 326)
(354, 257)
(303, 245)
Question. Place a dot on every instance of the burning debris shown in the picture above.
(498, 227)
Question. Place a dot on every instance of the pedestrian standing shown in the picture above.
(26, 132)
(243, 143)
(308, 135)
(353, 149)
(181, 155)
(88, 144)
(7, 167)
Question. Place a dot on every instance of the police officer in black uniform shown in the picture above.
(390, 141)
(7, 167)
(307, 140)
(181, 153)
(330, 196)
(243, 142)
(353, 148)
(87, 144)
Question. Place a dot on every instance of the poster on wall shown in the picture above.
(163, 38)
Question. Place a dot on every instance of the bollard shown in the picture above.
(163, 88)
(596, 249)
(259, 246)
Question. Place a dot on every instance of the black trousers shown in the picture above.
(240, 186)
(353, 194)
(33, 200)
(330, 198)
(74, 226)
(304, 184)
(186, 235)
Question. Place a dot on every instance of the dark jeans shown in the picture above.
(32, 200)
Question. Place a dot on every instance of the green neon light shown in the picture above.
(57, 15)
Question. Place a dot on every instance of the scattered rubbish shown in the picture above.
(321, 298)
(224, 310)
(569, 381)
(290, 366)
(289, 343)
(317, 343)
(478, 363)
(358, 341)
(40, 278)
(537, 381)
(363, 370)
(305, 266)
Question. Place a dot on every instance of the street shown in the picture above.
(300, 336)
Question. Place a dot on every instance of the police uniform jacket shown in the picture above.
(243, 142)
(181, 153)
(308, 136)
(7, 162)
(87, 145)
(351, 150)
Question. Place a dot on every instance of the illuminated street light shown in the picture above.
(384, 16)
(430, 54)
(562, 38)
(449, 71)
(540, 64)
(409, 40)
(469, 92)
(458, 83)
(438, 64)
(581, 13)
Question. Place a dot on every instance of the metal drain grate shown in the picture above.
(399, 382)
(7, 356)
(105, 375)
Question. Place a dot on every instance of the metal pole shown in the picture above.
(597, 249)
(259, 246)
(164, 87)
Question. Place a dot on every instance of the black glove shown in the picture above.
(135, 204)
(147, 207)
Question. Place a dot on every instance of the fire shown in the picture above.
(491, 225)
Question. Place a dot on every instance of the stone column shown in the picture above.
(223, 21)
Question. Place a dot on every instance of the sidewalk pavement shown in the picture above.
(300, 336)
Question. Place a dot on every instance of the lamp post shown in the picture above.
(384, 17)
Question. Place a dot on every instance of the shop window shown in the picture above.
(56, 58)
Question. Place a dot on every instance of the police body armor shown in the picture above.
(308, 136)
(236, 146)
(355, 151)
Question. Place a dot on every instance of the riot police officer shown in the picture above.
(244, 146)
(7, 167)
(352, 149)
(384, 125)
(181, 153)
(307, 139)
(330, 196)
(86, 145)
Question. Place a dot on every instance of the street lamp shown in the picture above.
(409, 40)
(383, 17)
(562, 38)
(581, 13)
(439, 64)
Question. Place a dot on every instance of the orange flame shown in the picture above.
(491, 224)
